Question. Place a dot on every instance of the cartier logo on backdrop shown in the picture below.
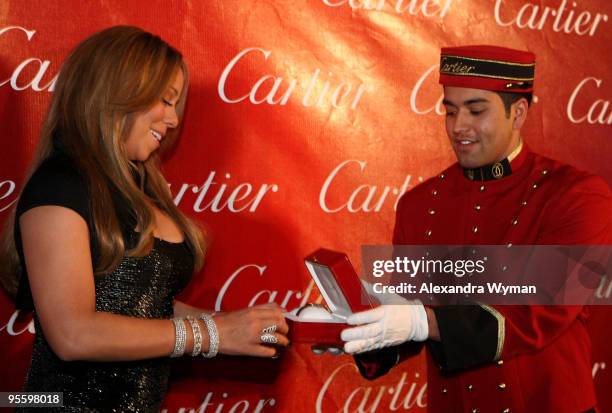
(21, 78)
(599, 111)
(224, 405)
(428, 8)
(319, 89)
(7, 188)
(222, 194)
(11, 326)
(564, 18)
(242, 278)
(406, 394)
(365, 197)
(423, 109)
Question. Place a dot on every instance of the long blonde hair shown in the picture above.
(105, 81)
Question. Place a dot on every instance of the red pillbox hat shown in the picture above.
(487, 67)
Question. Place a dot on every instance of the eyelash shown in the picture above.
(472, 112)
(166, 102)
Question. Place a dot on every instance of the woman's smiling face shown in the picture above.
(150, 126)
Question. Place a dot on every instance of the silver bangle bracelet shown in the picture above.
(180, 338)
(197, 336)
(213, 336)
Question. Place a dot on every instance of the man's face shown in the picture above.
(477, 126)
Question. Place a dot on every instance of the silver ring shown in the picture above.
(268, 339)
(270, 329)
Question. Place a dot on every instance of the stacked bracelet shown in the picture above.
(197, 336)
(213, 336)
(180, 337)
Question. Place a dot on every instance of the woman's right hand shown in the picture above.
(240, 331)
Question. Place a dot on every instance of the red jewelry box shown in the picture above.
(342, 292)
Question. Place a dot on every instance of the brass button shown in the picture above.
(509, 245)
(477, 207)
(469, 387)
(545, 172)
(506, 410)
(434, 192)
(474, 410)
(501, 386)
(535, 185)
(444, 391)
(500, 362)
(431, 211)
(474, 229)
(482, 188)
(428, 233)
(524, 203)
(514, 221)
(442, 176)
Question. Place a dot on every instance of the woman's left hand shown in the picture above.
(255, 331)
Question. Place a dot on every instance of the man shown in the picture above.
(492, 358)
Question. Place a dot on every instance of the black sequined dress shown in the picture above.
(141, 287)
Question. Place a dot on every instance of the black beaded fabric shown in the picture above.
(141, 287)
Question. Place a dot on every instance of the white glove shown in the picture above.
(384, 326)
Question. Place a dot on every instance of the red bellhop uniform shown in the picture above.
(491, 359)
(505, 358)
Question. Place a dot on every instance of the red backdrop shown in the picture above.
(305, 122)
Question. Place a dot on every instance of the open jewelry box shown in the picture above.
(342, 292)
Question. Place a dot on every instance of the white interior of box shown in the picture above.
(304, 319)
(330, 290)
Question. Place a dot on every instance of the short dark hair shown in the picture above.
(509, 98)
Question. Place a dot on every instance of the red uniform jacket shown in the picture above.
(505, 358)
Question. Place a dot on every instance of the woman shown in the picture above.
(100, 250)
